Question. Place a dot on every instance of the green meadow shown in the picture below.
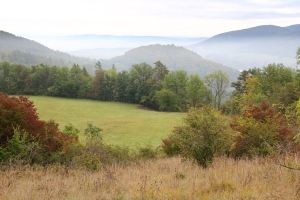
(122, 124)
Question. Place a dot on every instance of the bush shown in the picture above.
(260, 131)
(22, 133)
(19, 148)
(147, 152)
(206, 134)
(169, 147)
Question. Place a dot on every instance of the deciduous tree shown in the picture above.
(217, 82)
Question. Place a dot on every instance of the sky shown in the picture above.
(188, 18)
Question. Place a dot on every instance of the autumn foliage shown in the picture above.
(260, 130)
(20, 113)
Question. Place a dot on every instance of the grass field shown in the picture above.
(126, 124)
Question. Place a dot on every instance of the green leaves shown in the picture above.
(217, 82)
(167, 100)
(93, 133)
(298, 56)
(205, 134)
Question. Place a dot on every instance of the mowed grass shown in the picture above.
(122, 124)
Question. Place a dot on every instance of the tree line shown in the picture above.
(155, 87)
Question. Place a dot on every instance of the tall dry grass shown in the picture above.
(157, 179)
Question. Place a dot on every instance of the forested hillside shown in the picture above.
(175, 58)
(23, 51)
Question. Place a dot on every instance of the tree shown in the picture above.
(197, 93)
(98, 66)
(273, 78)
(167, 100)
(298, 56)
(176, 81)
(160, 71)
(122, 87)
(98, 82)
(240, 84)
(217, 82)
(140, 80)
(4, 77)
(60, 86)
(109, 87)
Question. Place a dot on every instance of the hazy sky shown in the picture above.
(143, 17)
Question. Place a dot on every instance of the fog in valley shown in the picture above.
(241, 49)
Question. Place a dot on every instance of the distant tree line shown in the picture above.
(53, 58)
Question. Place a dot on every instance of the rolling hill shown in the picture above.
(252, 47)
(173, 57)
(112, 46)
(28, 52)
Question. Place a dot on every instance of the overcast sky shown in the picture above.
(195, 18)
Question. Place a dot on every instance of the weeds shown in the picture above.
(165, 178)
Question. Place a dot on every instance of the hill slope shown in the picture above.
(173, 57)
(28, 52)
(257, 46)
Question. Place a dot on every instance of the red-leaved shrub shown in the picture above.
(20, 112)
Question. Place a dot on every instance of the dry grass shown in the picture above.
(158, 179)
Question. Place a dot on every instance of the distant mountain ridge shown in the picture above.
(252, 47)
(88, 45)
(24, 51)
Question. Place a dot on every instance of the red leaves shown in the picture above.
(20, 112)
(261, 130)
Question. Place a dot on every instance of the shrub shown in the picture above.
(31, 132)
(18, 112)
(93, 133)
(169, 147)
(147, 152)
(260, 131)
(18, 148)
(205, 135)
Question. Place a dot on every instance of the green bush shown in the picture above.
(19, 147)
(206, 134)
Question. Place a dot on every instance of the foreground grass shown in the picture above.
(158, 179)
(122, 124)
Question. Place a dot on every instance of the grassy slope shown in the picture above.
(121, 123)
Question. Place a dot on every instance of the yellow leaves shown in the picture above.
(253, 92)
